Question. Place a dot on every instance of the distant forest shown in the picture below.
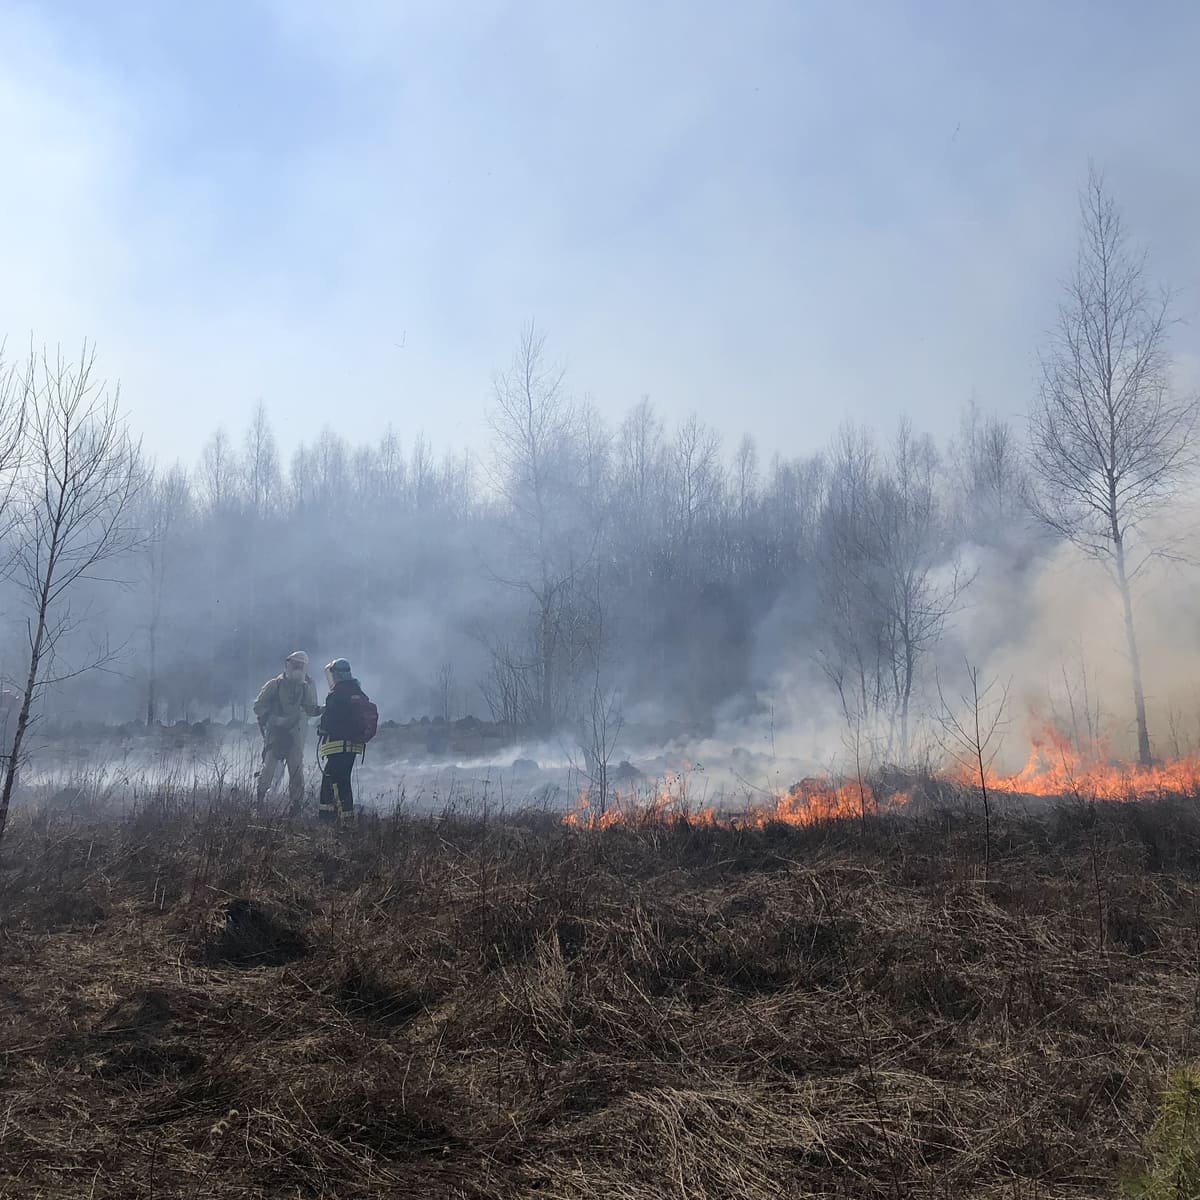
(585, 576)
(656, 572)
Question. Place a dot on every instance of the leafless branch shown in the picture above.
(79, 477)
(1111, 442)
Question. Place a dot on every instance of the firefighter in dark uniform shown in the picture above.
(341, 740)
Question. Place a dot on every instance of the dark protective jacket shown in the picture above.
(340, 729)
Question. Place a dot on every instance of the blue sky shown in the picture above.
(777, 215)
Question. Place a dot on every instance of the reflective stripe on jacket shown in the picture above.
(326, 748)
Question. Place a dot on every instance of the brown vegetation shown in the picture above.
(197, 1001)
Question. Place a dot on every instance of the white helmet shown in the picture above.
(298, 656)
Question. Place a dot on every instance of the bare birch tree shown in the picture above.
(696, 481)
(16, 385)
(600, 717)
(218, 472)
(1111, 442)
(75, 496)
(745, 475)
(260, 464)
(889, 580)
(988, 475)
(538, 472)
(973, 734)
(919, 583)
(166, 502)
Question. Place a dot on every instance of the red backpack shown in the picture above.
(366, 715)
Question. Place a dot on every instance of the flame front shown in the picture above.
(1057, 768)
(805, 803)
(1054, 769)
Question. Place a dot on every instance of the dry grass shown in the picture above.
(197, 1002)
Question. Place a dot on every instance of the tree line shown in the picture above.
(581, 574)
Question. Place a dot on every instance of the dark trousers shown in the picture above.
(337, 799)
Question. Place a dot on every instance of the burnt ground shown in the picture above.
(198, 1002)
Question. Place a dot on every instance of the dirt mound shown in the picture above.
(252, 934)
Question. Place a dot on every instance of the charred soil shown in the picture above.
(201, 1002)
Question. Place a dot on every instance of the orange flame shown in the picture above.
(1054, 768)
(804, 803)
(1057, 768)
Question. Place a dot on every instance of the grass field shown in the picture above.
(200, 1002)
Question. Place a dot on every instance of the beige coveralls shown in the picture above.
(283, 708)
